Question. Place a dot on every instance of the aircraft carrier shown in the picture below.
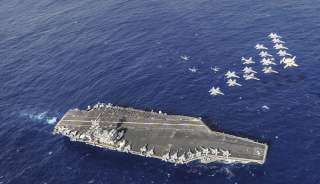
(172, 138)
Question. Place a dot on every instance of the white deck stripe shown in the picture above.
(130, 127)
(139, 123)
(167, 119)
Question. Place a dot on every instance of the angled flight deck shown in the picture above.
(172, 138)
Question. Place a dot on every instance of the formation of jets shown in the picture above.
(287, 59)
(232, 78)
(267, 62)
(266, 58)
(186, 58)
(248, 72)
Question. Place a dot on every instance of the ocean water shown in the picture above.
(56, 55)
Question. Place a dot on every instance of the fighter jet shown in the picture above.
(150, 152)
(215, 91)
(122, 143)
(185, 58)
(225, 153)
(286, 60)
(205, 151)
(233, 82)
(215, 69)
(283, 53)
(166, 156)
(231, 74)
(127, 148)
(174, 156)
(264, 54)
(214, 151)
(143, 149)
(282, 61)
(267, 61)
(277, 40)
(289, 62)
(198, 153)
(268, 70)
(248, 70)
(250, 76)
(182, 158)
(274, 35)
(279, 46)
(193, 69)
(190, 154)
(247, 61)
(260, 47)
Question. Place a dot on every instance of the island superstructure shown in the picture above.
(172, 138)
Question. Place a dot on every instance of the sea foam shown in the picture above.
(40, 117)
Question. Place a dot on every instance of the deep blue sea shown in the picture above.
(56, 55)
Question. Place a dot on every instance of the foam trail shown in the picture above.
(52, 120)
(40, 117)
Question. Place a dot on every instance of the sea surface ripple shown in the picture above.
(56, 55)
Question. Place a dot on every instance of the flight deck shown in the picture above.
(172, 138)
